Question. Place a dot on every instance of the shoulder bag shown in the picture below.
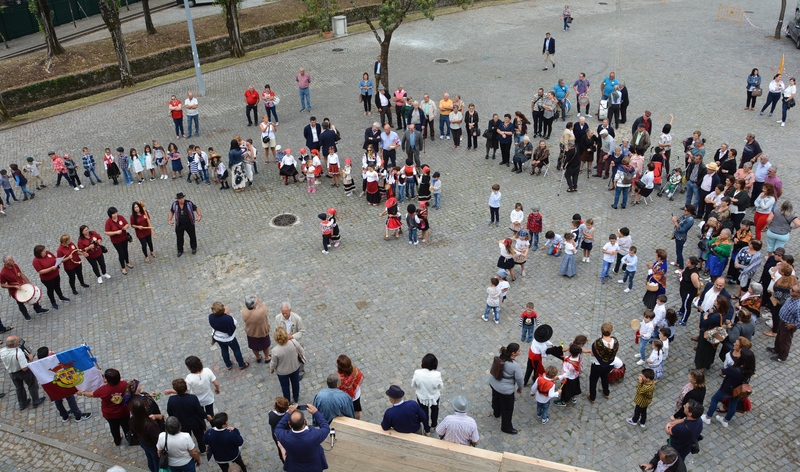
(497, 368)
(163, 461)
(301, 358)
(743, 391)
(716, 334)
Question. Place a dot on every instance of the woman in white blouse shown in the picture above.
(179, 447)
(648, 180)
(428, 383)
(456, 117)
(775, 89)
(788, 97)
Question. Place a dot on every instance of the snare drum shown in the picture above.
(583, 100)
(28, 293)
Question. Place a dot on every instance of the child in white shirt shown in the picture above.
(646, 329)
(553, 244)
(656, 359)
(543, 390)
(517, 216)
(609, 256)
(661, 313)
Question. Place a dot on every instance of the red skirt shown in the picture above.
(536, 360)
(394, 222)
(333, 168)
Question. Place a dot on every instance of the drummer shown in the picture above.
(49, 268)
(12, 278)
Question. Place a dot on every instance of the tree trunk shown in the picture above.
(5, 41)
(779, 26)
(148, 20)
(109, 10)
(232, 24)
(387, 40)
(4, 115)
(53, 46)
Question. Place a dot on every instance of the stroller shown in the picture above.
(602, 110)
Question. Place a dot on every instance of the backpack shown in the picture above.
(627, 177)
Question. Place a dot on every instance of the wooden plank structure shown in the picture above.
(364, 447)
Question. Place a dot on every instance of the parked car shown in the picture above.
(194, 3)
(793, 30)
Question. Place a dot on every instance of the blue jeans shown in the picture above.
(188, 467)
(621, 191)
(10, 195)
(642, 345)
(785, 105)
(193, 119)
(305, 99)
(542, 409)
(178, 126)
(628, 277)
(412, 235)
(73, 407)
(273, 111)
(294, 379)
(92, 171)
(717, 398)
(25, 190)
(535, 241)
(237, 352)
(437, 200)
(496, 312)
(604, 271)
(679, 252)
(401, 193)
(566, 23)
(152, 457)
(692, 194)
(411, 187)
(563, 104)
(204, 174)
(527, 332)
(128, 176)
(444, 123)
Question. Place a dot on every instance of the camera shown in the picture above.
(23, 347)
(302, 407)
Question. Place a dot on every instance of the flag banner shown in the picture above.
(67, 372)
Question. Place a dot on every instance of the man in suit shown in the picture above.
(378, 70)
(328, 140)
(312, 133)
(373, 136)
(623, 109)
(549, 51)
(302, 444)
(666, 459)
(412, 143)
(383, 102)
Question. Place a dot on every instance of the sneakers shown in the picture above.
(641, 425)
(107, 276)
(81, 186)
(100, 280)
(620, 281)
(485, 318)
(721, 420)
(627, 290)
(65, 420)
(640, 362)
(637, 355)
(545, 420)
(574, 400)
(706, 419)
(324, 251)
(496, 321)
(77, 189)
(559, 403)
(84, 416)
(631, 422)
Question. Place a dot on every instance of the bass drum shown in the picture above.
(29, 293)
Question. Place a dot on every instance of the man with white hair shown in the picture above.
(15, 359)
(429, 108)
(606, 149)
(459, 428)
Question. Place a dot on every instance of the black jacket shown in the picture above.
(600, 128)
(328, 140)
(701, 172)
(372, 137)
(551, 48)
(378, 98)
(678, 466)
(625, 101)
(310, 137)
(188, 411)
(639, 121)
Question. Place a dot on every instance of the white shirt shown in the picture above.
(190, 111)
(458, 428)
(383, 99)
(569, 247)
(504, 286)
(649, 177)
(661, 313)
(776, 87)
(609, 246)
(646, 330)
(314, 136)
(178, 447)
(789, 91)
(710, 298)
(656, 358)
(517, 216)
(224, 337)
(333, 159)
(201, 385)
(14, 359)
(288, 160)
(428, 385)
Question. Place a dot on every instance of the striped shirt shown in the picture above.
(458, 428)
(644, 394)
(790, 311)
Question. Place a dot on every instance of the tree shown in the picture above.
(391, 14)
(148, 19)
(41, 9)
(780, 22)
(4, 114)
(230, 9)
(109, 10)
(319, 14)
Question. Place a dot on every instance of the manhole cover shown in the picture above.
(442, 61)
(284, 220)
(337, 50)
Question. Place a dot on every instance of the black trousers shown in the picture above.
(456, 132)
(614, 115)
(198, 436)
(114, 424)
(686, 304)
(623, 114)
(639, 414)
(238, 462)
(432, 412)
(122, 253)
(619, 262)
(146, 242)
(75, 273)
(367, 101)
(530, 369)
(24, 310)
(254, 109)
(188, 229)
(494, 214)
(98, 265)
(599, 372)
(547, 128)
(503, 406)
(538, 122)
(472, 140)
(571, 175)
(389, 157)
(505, 151)
(53, 288)
(401, 119)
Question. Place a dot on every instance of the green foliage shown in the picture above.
(319, 14)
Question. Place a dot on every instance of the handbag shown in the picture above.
(86, 173)
(791, 103)
(640, 185)
(716, 334)
(128, 236)
(756, 92)
(301, 358)
(265, 139)
(743, 391)
(497, 368)
(163, 461)
(486, 134)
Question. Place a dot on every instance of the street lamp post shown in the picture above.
(201, 88)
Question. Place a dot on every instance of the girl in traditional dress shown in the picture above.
(347, 177)
(334, 225)
(370, 159)
(288, 166)
(175, 158)
(371, 186)
(424, 225)
(111, 167)
(506, 259)
(148, 161)
(571, 376)
(333, 166)
(424, 190)
(522, 245)
(393, 221)
(194, 164)
(568, 266)
(221, 171)
(657, 275)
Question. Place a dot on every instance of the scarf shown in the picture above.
(679, 404)
(351, 382)
(603, 354)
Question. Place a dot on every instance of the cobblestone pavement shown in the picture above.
(387, 303)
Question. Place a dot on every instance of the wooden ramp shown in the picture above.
(364, 447)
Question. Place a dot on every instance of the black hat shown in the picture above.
(395, 392)
(120, 149)
(51, 153)
(543, 333)
(322, 216)
(179, 196)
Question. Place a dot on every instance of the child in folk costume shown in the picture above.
(553, 244)
(316, 161)
(424, 191)
(538, 351)
(221, 171)
(517, 216)
(424, 226)
(570, 376)
(160, 157)
(288, 166)
(333, 166)
(204, 163)
(326, 231)
(568, 267)
(111, 167)
(656, 358)
(347, 177)
(304, 158)
(393, 221)
(370, 178)
(644, 396)
(521, 246)
(334, 224)
(383, 184)
(544, 389)
(32, 169)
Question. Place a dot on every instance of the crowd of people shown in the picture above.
(718, 191)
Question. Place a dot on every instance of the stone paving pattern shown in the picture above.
(386, 304)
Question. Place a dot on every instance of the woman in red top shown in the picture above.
(176, 110)
(112, 407)
(45, 264)
(73, 264)
(140, 221)
(91, 244)
(117, 231)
